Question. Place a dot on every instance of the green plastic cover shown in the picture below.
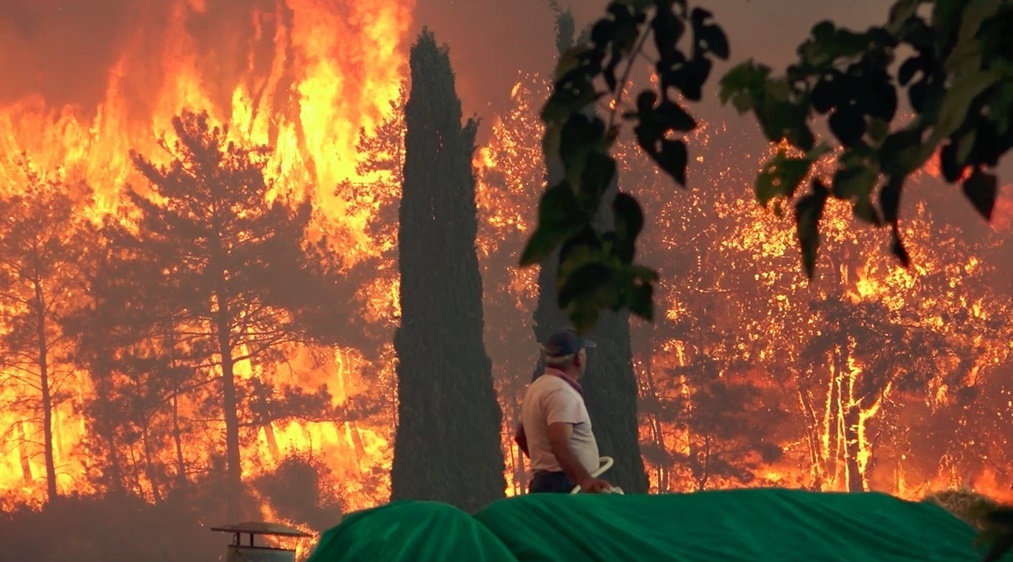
(748, 525)
(409, 530)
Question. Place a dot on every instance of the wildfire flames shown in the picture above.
(834, 404)
(300, 76)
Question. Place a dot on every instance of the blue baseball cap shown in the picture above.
(565, 342)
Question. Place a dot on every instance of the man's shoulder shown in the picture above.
(547, 384)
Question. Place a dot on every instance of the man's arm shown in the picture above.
(559, 442)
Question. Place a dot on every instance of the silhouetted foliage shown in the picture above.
(957, 82)
(297, 490)
(43, 271)
(240, 281)
(447, 445)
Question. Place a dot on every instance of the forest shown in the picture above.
(224, 321)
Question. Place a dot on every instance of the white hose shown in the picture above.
(604, 463)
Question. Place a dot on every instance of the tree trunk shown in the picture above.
(26, 464)
(115, 478)
(234, 475)
(352, 427)
(852, 448)
(813, 439)
(832, 421)
(177, 438)
(272, 441)
(705, 473)
(230, 402)
(654, 417)
(149, 465)
(47, 397)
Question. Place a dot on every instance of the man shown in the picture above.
(555, 428)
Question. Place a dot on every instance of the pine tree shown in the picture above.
(447, 445)
(43, 264)
(241, 281)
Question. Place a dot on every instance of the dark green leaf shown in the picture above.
(587, 287)
(583, 282)
(889, 199)
(848, 125)
(854, 181)
(828, 44)
(691, 78)
(641, 299)
(581, 134)
(673, 117)
(582, 247)
(981, 189)
(570, 60)
(743, 84)
(866, 211)
(568, 99)
(878, 129)
(900, 13)
(900, 153)
(708, 36)
(603, 32)
(879, 100)
(599, 172)
(672, 157)
(629, 221)
(908, 69)
(827, 94)
(958, 100)
(951, 169)
(946, 15)
(969, 141)
(781, 176)
(898, 249)
(917, 94)
(808, 212)
(539, 247)
(559, 217)
(784, 120)
(668, 30)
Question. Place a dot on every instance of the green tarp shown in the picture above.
(410, 531)
(748, 525)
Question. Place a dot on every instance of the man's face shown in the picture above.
(583, 360)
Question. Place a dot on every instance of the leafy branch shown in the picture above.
(958, 82)
(596, 262)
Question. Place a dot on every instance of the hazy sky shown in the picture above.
(492, 40)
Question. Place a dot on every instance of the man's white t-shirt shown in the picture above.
(550, 399)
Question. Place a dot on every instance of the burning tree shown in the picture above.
(447, 442)
(43, 263)
(511, 175)
(240, 283)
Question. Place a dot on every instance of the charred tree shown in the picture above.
(43, 261)
(447, 443)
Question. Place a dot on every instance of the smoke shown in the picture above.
(63, 50)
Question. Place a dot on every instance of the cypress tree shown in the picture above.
(447, 444)
(610, 386)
